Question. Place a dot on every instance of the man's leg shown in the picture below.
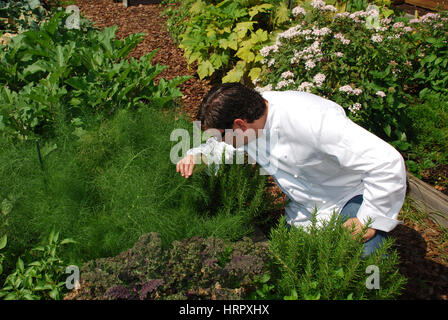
(349, 211)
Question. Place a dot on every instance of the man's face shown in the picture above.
(243, 131)
(240, 135)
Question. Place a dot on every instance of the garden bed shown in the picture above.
(113, 213)
(424, 258)
(148, 19)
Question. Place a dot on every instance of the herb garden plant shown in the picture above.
(337, 56)
(325, 262)
(55, 73)
(381, 70)
(224, 38)
(106, 183)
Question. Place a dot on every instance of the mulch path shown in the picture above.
(423, 257)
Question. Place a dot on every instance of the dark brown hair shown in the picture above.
(229, 101)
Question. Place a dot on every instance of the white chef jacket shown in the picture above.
(322, 159)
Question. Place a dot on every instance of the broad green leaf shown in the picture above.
(10, 296)
(259, 36)
(230, 42)
(216, 60)
(51, 236)
(242, 28)
(211, 33)
(254, 73)
(265, 278)
(205, 68)
(3, 241)
(35, 264)
(236, 73)
(29, 296)
(312, 297)
(253, 11)
(281, 13)
(194, 56)
(38, 66)
(245, 53)
(54, 294)
(197, 7)
(78, 83)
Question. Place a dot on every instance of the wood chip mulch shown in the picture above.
(147, 19)
(422, 251)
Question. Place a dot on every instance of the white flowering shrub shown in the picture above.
(364, 67)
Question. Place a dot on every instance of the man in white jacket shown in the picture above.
(318, 157)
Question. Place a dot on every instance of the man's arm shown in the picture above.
(212, 150)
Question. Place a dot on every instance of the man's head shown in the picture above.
(232, 106)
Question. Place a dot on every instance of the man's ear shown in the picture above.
(240, 124)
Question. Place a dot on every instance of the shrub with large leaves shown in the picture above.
(340, 56)
(224, 38)
(55, 73)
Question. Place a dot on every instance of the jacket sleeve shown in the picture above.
(213, 149)
(381, 166)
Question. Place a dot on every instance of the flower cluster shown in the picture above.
(341, 37)
(266, 50)
(380, 94)
(354, 108)
(318, 4)
(298, 10)
(321, 56)
(330, 8)
(350, 90)
(377, 38)
(306, 86)
(313, 51)
(284, 83)
(287, 75)
(319, 79)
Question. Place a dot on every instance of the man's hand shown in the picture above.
(357, 228)
(186, 166)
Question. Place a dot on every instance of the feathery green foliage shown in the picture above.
(325, 262)
(105, 185)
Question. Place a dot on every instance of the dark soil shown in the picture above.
(410, 8)
(423, 253)
(437, 177)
